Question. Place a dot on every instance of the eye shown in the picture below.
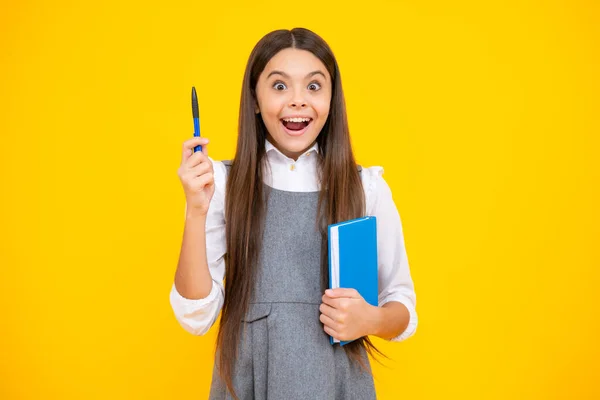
(278, 84)
(317, 84)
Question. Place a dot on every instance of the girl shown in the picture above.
(260, 222)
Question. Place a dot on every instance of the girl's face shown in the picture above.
(294, 83)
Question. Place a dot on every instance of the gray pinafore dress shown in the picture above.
(285, 354)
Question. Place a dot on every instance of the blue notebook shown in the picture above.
(353, 259)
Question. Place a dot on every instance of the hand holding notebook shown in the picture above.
(353, 259)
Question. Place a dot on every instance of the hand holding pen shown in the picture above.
(196, 170)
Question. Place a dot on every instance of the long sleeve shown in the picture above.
(395, 282)
(198, 315)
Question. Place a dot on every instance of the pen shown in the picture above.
(196, 116)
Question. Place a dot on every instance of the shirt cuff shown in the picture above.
(196, 315)
(412, 323)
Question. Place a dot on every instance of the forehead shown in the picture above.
(296, 63)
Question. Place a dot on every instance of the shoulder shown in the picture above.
(374, 185)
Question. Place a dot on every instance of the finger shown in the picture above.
(328, 322)
(329, 301)
(201, 169)
(331, 332)
(188, 146)
(329, 311)
(195, 166)
(196, 159)
(342, 292)
(202, 181)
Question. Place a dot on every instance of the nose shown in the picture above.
(297, 101)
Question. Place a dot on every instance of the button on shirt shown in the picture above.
(281, 172)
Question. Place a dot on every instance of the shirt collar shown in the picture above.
(269, 147)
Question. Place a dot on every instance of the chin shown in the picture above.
(295, 145)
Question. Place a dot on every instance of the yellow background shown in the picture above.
(484, 115)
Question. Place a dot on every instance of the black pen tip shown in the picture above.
(195, 112)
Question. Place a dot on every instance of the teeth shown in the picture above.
(296, 119)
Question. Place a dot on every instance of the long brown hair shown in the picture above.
(341, 196)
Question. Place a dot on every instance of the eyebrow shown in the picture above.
(287, 76)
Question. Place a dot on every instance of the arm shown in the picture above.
(197, 292)
(192, 278)
(344, 313)
(396, 318)
(390, 320)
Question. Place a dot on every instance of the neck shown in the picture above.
(293, 155)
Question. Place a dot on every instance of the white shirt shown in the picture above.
(395, 283)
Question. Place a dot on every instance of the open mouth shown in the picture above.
(297, 126)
